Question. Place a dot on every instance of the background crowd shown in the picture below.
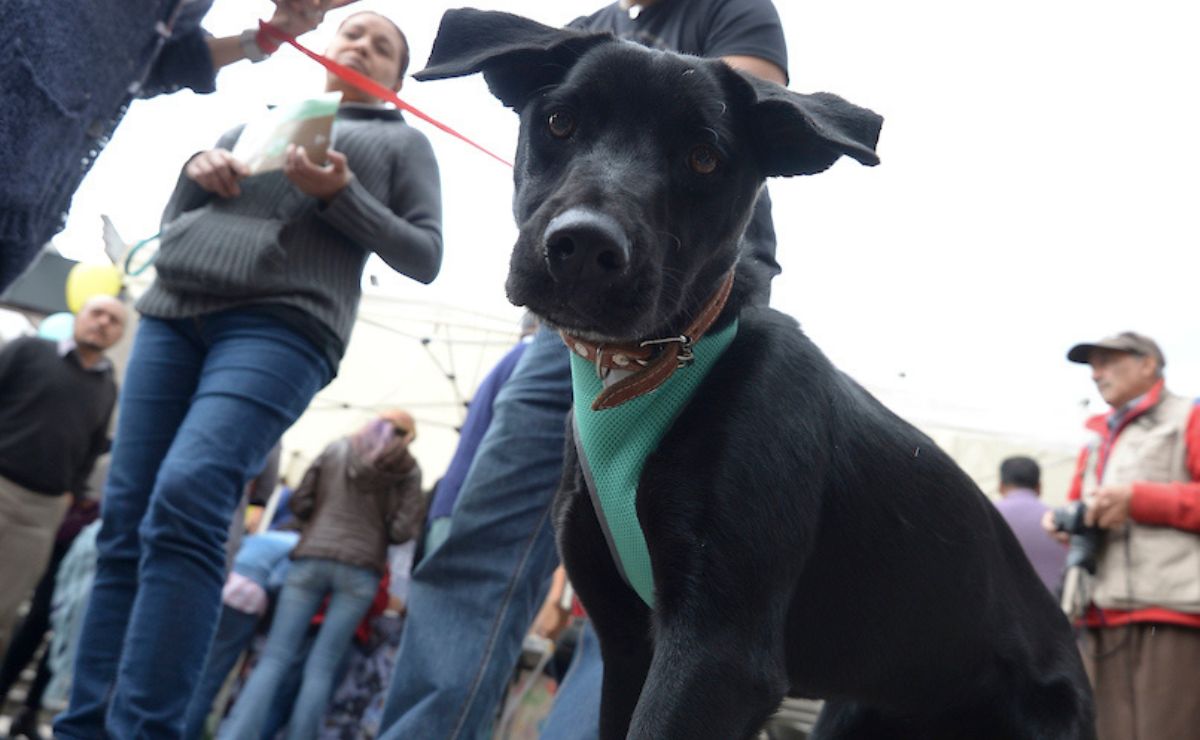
(258, 282)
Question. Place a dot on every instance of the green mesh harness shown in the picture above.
(613, 445)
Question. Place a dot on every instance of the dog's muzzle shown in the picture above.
(582, 245)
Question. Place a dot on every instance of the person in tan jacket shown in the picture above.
(1140, 481)
(362, 493)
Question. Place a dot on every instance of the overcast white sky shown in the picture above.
(1040, 175)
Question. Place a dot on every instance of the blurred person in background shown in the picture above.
(1021, 506)
(1139, 479)
(361, 494)
(56, 404)
(479, 417)
(32, 633)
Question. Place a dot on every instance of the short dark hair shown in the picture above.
(1022, 472)
(403, 38)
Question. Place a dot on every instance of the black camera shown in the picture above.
(1085, 540)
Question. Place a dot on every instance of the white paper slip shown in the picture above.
(263, 143)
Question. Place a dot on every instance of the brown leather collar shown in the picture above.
(657, 358)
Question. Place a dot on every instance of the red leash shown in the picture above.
(369, 86)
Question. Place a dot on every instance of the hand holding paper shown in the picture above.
(217, 171)
(263, 143)
(321, 182)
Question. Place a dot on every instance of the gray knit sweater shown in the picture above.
(275, 246)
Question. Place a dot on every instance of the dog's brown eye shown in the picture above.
(703, 160)
(561, 124)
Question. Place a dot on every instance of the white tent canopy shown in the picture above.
(425, 358)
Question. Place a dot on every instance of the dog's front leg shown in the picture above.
(621, 619)
(712, 676)
(626, 652)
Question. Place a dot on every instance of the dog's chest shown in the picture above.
(614, 443)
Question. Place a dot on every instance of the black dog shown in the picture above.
(801, 538)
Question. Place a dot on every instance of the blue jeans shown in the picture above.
(575, 714)
(261, 558)
(204, 400)
(473, 598)
(351, 590)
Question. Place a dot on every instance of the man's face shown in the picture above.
(404, 426)
(1122, 376)
(100, 324)
(369, 44)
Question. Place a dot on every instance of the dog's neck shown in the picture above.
(653, 360)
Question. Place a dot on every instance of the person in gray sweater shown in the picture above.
(361, 494)
(258, 284)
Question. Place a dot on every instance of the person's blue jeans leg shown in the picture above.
(235, 631)
(353, 591)
(472, 600)
(160, 380)
(285, 695)
(305, 589)
(257, 559)
(210, 396)
(575, 714)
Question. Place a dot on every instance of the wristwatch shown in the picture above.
(250, 47)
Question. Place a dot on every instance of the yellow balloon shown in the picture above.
(84, 282)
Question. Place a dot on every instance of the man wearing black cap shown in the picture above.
(1140, 480)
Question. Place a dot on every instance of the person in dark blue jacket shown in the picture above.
(479, 418)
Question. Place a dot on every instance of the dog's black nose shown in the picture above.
(582, 244)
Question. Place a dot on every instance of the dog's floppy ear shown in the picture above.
(516, 55)
(799, 134)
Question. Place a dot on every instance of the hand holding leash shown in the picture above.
(296, 17)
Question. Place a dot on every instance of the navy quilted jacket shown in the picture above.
(68, 70)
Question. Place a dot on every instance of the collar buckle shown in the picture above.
(685, 356)
(657, 358)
